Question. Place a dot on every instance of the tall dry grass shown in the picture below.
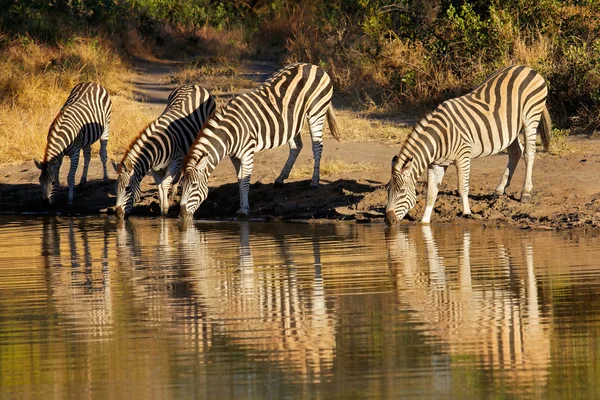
(36, 81)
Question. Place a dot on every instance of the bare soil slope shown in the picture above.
(565, 187)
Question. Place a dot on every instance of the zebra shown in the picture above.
(82, 120)
(267, 117)
(481, 123)
(161, 146)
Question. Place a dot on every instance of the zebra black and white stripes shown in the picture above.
(267, 117)
(160, 148)
(83, 119)
(478, 124)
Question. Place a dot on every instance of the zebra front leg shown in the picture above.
(160, 177)
(435, 174)
(71, 177)
(295, 148)
(244, 172)
(514, 155)
(104, 157)
(463, 170)
(87, 156)
(530, 135)
(171, 173)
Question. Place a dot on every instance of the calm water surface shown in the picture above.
(98, 308)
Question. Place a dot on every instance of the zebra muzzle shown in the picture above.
(120, 212)
(390, 217)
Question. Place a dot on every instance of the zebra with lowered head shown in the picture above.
(481, 123)
(81, 121)
(267, 117)
(161, 146)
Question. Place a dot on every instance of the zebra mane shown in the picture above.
(135, 140)
(54, 122)
(191, 156)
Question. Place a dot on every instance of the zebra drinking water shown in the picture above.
(160, 148)
(81, 121)
(478, 124)
(267, 117)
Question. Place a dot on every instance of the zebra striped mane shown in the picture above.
(135, 140)
(412, 146)
(52, 125)
(191, 155)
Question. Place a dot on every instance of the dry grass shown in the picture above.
(329, 167)
(370, 127)
(218, 75)
(36, 81)
(558, 142)
(128, 118)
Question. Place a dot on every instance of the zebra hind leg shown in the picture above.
(463, 170)
(104, 158)
(315, 124)
(530, 136)
(514, 155)
(87, 156)
(295, 148)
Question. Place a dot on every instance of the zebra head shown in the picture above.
(402, 194)
(49, 178)
(128, 188)
(194, 187)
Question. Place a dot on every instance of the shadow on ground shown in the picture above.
(25, 198)
(339, 199)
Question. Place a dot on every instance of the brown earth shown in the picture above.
(566, 188)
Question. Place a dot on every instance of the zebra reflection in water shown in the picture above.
(492, 312)
(77, 272)
(235, 281)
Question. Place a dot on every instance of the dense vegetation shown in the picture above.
(382, 53)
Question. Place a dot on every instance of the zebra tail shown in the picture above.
(332, 122)
(545, 129)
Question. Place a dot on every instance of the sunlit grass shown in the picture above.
(218, 75)
(329, 167)
(36, 81)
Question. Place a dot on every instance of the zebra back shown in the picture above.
(173, 132)
(266, 117)
(80, 122)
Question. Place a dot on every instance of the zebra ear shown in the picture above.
(201, 163)
(404, 169)
(126, 165)
(407, 167)
(37, 163)
(115, 165)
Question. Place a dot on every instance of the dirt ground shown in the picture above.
(566, 189)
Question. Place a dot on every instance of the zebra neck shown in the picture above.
(55, 149)
(424, 144)
(61, 136)
(214, 143)
(141, 165)
(415, 149)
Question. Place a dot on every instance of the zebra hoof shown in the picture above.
(525, 198)
(468, 216)
(242, 212)
(278, 184)
(314, 186)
